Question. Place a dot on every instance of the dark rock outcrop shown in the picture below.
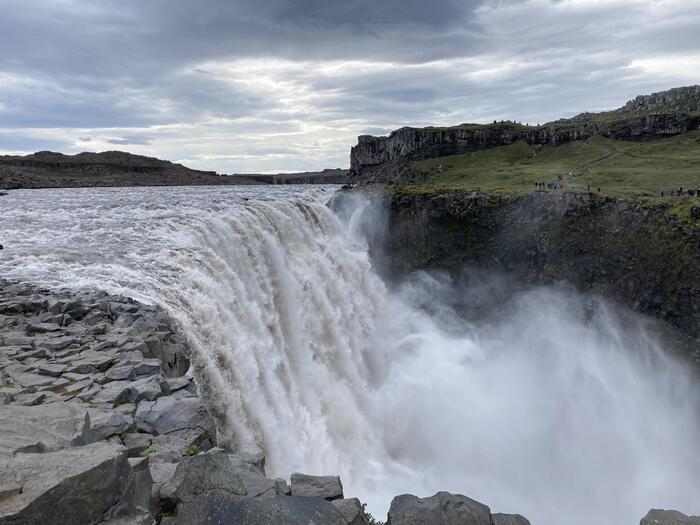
(630, 251)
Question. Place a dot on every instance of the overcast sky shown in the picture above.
(286, 85)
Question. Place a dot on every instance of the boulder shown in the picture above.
(136, 503)
(72, 486)
(105, 422)
(508, 519)
(184, 417)
(441, 509)
(205, 474)
(326, 487)
(43, 428)
(223, 508)
(668, 517)
(352, 511)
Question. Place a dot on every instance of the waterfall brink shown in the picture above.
(555, 405)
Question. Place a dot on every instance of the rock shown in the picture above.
(118, 392)
(351, 509)
(72, 486)
(441, 509)
(43, 428)
(90, 362)
(53, 370)
(207, 474)
(668, 517)
(136, 443)
(508, 519)
(41, 328)
(326, 487)
(222, 508)
(136, 503)
(105, 423)
(182, 417)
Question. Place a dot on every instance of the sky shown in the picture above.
(260, 86)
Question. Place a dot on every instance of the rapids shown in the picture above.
(560, 407)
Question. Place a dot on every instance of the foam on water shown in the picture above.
(561, 408)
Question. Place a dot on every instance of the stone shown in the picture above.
(27, 380)
(668, 517)
(71, 487)
(90, 362)
(41, 328)
(136, 503)
(223, 508)
(58, 343)
(187, 418)
(118, 392)
(205, 474)
(326, 487)
(54, 370)
(120, 373)
(105, 423)
(43, 428)
(136, 443)
(351, 509)
(441, 509)
(508, 519)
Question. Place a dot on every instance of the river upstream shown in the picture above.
(561, 408)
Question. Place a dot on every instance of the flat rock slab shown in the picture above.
(43, 428)
(326, 487)
(71, 487)
(441, 509)
(223, 509)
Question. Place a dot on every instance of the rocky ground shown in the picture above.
(101, 422)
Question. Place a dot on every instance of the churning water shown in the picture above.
(560, 407)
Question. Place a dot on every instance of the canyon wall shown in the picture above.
(639, 254)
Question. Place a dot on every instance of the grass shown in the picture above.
(618, 168)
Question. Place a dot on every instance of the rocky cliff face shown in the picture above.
(638, 254)
(651, 116)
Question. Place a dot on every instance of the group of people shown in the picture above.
(558, 184)
(680, 191)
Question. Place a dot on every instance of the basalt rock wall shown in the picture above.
(639, 254)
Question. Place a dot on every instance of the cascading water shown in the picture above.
(561, 407)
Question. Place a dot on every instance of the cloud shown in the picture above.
(288, 84)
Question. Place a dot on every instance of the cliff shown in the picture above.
(645, 117)
(639, 253)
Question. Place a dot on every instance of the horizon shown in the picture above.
(287, 87)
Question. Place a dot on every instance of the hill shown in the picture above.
(649, 143)
(47, 169)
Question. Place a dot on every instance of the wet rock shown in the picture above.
(118, 392)
(351, 509)
(668, 517)
(326, 487)
(278, 510)
(72, 486)
(441, 509)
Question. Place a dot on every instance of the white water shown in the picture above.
(560, 409)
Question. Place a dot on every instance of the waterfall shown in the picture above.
(558, 406)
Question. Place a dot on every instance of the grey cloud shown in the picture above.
(147, 71)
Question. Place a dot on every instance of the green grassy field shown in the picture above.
(616, 167)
